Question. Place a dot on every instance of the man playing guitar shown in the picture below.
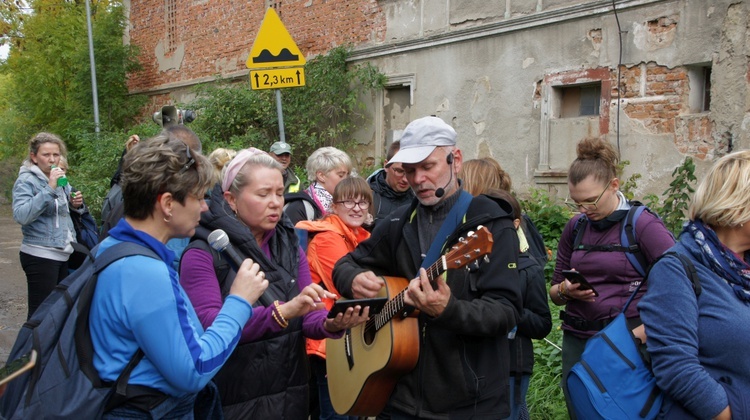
(465, 315)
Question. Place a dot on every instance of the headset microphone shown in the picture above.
(440, 192)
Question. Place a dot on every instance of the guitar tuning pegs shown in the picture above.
(486, 258)
(471, 233)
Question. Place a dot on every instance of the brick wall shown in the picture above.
(658, 97)
(217, 36)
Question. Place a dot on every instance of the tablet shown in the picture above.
(341, 305)
(16, 367)
(577, 277)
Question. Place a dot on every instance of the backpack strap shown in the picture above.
(578, 231)
(689, 269)
(687, 265)
(82, 336)
(630, 241)
(119, 251)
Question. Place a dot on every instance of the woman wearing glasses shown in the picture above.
(267, 374)
(594, 192)
(333, 237)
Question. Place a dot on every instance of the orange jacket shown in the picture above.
(331, 240)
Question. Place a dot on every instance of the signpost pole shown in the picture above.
(280, 114)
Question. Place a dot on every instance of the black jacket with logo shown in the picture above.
(463, 363)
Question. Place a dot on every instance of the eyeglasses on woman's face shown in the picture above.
(349, 204)
(587, 205)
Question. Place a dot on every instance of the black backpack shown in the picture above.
(64, 382)
(628, 239)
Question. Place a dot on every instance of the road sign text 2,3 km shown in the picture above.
(275, 61)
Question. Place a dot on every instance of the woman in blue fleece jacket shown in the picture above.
(698, 345)
(139, 303)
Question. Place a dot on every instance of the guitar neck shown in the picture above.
(397, 304)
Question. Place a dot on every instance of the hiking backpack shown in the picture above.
(87, 234)
(613, 379)
(628, 239)
(64, 382)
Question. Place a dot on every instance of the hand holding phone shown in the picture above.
(375, 304)
(577, 278)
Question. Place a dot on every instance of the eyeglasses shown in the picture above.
(590, 205)
(399, 172)
(350, 204)
(190, 162)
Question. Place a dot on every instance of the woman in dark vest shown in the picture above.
(267, 375)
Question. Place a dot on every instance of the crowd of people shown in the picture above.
(241, 330)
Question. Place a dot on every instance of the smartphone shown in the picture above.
(375, 304)
(16, 367)
(577, 277)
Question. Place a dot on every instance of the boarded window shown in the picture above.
(579, 101)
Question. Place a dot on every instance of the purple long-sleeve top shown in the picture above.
(198, 278)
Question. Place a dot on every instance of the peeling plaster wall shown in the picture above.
(492, 68)
(495, 89)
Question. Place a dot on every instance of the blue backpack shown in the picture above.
(613, 380)
(87, 234)
(64, 382)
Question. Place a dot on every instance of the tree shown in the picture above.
(49, 73)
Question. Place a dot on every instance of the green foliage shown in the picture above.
(673, 210)
(49, 73)
(545, 397)
(92, 165)
(325, 112)
(628, 186)
(550, 216)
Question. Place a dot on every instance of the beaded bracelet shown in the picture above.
(277, 315)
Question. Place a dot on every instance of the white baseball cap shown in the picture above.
(421, 137)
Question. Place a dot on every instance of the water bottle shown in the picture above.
(63, 180)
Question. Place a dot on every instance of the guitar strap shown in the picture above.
(452, 221)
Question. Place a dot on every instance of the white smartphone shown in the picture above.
(15, 368)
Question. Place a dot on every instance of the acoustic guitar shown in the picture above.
(364, 365)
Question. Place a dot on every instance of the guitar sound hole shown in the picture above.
(369, 334)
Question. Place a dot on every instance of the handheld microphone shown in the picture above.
(219, 241)
(441, 191)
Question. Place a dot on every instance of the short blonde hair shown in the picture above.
(722, 199)
(326, 159)
(219, 157)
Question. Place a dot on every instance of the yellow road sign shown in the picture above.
(273, 46)
(277, 78)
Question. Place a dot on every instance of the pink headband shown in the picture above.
(234, 166)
